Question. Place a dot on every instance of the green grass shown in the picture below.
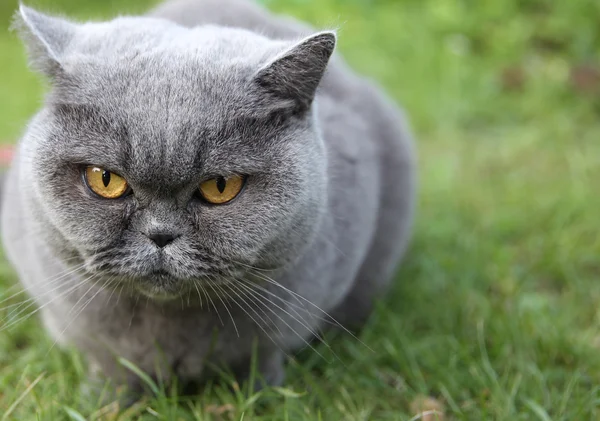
(496, 311)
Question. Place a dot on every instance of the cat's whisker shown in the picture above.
(25, 233)
(214, 306)
(78, 313)
(249, 286)
(206, 296)
(63, 294)
(52, 280)
(301, 337)
(288, 303)
(82, 296)
(311, 314)
(9, 290)
(216, 285)
(236, 302)
(271, 323)
(137, 300)
(21, 308)
(323, 237)
(18, 304)
(295, 294)
(28, 302)
(268, 279)
(188, 296)
(199, 296)
(112, 290)
(254, 267)
(120, 291)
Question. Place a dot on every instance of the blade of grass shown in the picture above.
(20, 398)
(76, 416)
(143, 376)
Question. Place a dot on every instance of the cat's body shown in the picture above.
(326, 212)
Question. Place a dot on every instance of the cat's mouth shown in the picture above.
(162, 285)
(163, 281)
(160, 273)
(159, 289)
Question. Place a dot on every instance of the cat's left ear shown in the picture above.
(292, 78)
(46, 38)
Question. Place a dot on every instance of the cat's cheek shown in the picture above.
(89, 222)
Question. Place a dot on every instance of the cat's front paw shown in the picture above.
(271, 369)
(97, 392)
(100, 390)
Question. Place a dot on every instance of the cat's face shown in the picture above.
(157, 124)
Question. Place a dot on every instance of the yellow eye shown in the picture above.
(105, 183)
(221, 190)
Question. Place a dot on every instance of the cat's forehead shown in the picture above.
(170, 120)
(139, 70)
(124, 38)
(164, 117)
(150, 85)
(152, 100)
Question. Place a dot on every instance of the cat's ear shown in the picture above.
(46, 38)
(292, 78)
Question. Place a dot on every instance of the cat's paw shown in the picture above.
(271, 369)
(99, 395)
(99, 390)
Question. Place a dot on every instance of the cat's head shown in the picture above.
(166, 156)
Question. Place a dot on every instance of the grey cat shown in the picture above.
(200, 180)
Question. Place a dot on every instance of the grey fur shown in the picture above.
(197, 89)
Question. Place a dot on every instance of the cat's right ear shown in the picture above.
(46, 38)
(291, 79)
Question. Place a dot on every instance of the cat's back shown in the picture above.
(231, 13)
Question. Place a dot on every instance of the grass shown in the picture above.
(495, 314)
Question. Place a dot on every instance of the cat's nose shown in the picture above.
(162, 238)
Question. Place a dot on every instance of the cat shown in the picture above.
(203, 182)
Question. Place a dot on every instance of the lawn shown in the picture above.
(496, 312)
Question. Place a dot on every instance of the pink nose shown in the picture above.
(6, 153)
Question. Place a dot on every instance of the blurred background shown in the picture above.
(496, 312)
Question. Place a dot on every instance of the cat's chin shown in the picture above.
(161, 286)
(158, 295)
(161, 293)
(171, 289)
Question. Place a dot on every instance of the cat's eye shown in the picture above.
(105, 183)
(220, 190)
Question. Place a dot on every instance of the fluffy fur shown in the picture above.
(201, 88)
